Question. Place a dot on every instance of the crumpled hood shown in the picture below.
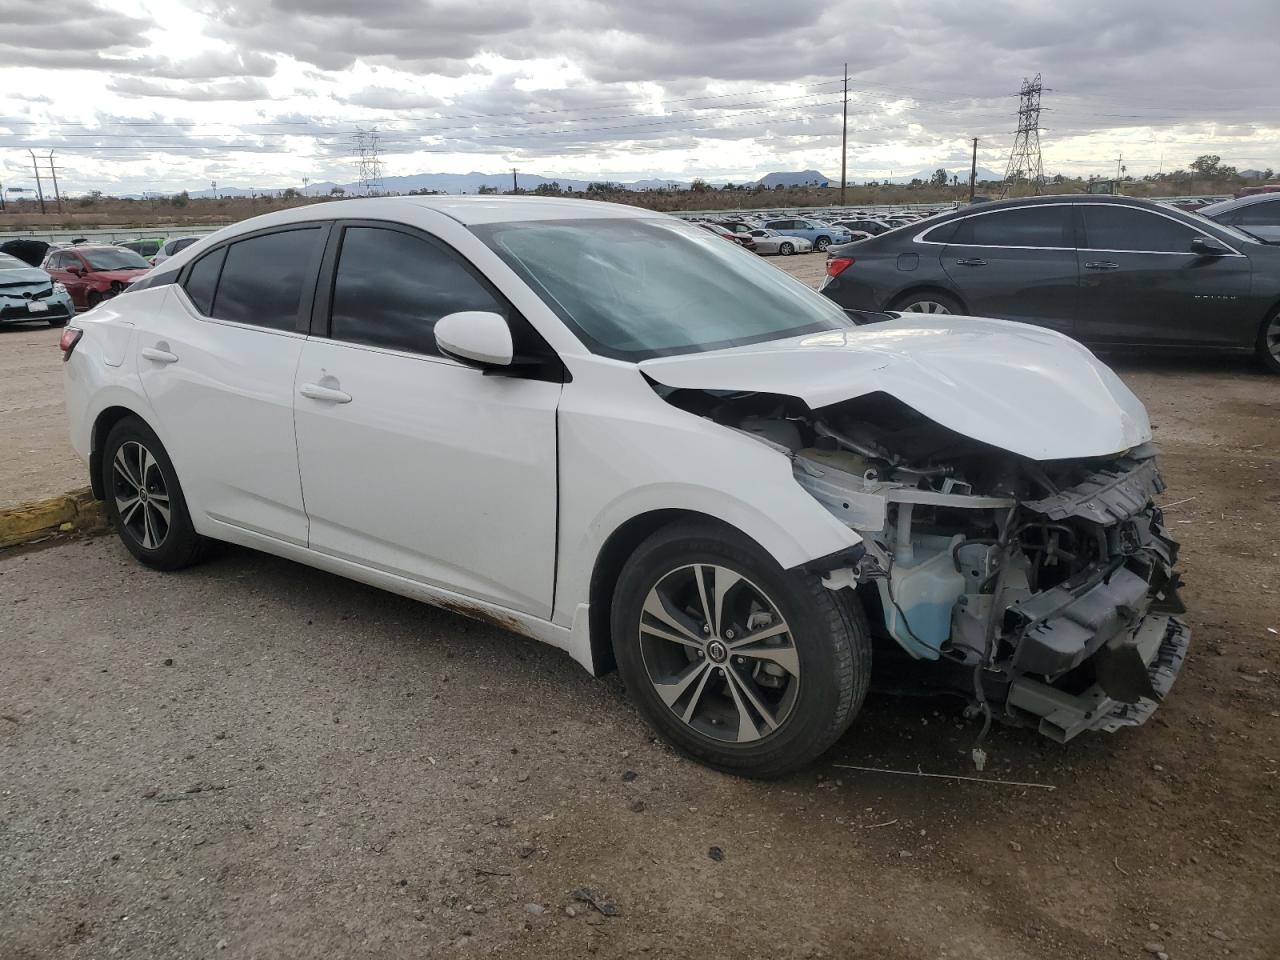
(1023, 389)
(19, 277)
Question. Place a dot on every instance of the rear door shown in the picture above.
(1141, 283)
(218, 365)
(1017, 263)
(413, 463)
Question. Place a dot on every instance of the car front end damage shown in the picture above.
(1042, 591)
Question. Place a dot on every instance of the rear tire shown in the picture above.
(786, 249)
(144, 500)
(757, 709)
(1269, 343)
(92, 299)
(927, 301)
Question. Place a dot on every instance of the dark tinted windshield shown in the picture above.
(115, 259)
(634, 289)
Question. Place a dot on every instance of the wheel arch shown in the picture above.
(107, 418)
(611, 558)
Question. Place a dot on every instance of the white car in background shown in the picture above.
(607, 429)
(772, 242)
(172, 246)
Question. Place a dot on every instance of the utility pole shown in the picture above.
(1119, 159)
(39, 189)
(306, 182)
(973, 169)
(2, 207)
(515, 186)
(213, 187)
(844, 137)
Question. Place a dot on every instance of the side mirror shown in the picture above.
(1208, 247)
(476, 338)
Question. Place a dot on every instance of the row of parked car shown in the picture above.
(1108, 271)
(51, 281)
(784, 236)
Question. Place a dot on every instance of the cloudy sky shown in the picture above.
(171, 94)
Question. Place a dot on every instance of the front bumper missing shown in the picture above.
(1160, 640)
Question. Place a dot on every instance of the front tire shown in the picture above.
(821, 244)
(144, 500)
(786, 249)
(1269, 343)
(92, 299)
(741, 665)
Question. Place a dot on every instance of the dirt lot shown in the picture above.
(254, 759)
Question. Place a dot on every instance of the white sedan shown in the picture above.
(772, 242)
(611, 431)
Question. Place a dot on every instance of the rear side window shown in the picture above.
(179, 245)
(942, 233)
(1043, 226)
(1264, 214)
(203, 280)
(390, 288)
(264, 279)
(1124, 228)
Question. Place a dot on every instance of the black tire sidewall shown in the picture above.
(833, 677)
(786, 249)
(182, 544)
(821, 244)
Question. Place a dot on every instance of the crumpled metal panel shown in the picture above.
(1106, 497)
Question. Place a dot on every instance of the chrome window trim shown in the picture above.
(919, 238)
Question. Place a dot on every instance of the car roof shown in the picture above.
(1225, 206)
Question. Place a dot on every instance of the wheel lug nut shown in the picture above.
(728, 634)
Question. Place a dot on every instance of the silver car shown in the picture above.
(771, 242)
(1258, 215)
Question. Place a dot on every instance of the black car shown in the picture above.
(1109, 271)
(1258, 215)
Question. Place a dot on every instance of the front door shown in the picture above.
(1017, 264)
(1141, 283)
(412, 463)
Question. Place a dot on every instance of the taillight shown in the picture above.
(67, 342)
(837, 265)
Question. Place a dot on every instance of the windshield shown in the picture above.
(116, 259)
(638, 288)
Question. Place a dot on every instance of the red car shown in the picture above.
(92, 274)
(740, 239)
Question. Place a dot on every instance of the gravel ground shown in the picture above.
(255, 759)
(38, 460)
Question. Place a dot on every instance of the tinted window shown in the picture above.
(1043, 226)
(943, 232)
(1124, 228)
(202, 280)
(392, 287)
(115, 258)
(178, 245)
(1259, 214)
(264, 278)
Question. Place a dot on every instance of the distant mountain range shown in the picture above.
(472, 182)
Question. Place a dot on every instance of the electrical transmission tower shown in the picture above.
(370, 163)
(1026, 161)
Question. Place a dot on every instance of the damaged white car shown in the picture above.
(613, 432)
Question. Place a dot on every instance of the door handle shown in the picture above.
(1102, 265)
(971, 262)
(159, 355)
(314, 391)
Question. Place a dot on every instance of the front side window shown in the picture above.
(1127, 229)
(635, 288)
(1042, 226)
(264, 278)
(391, 287)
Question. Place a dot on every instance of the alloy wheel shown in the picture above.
(142, 498)
(719, 654)
(926, 306)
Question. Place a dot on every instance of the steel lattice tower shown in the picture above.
(1026, 161)
(370, 163)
